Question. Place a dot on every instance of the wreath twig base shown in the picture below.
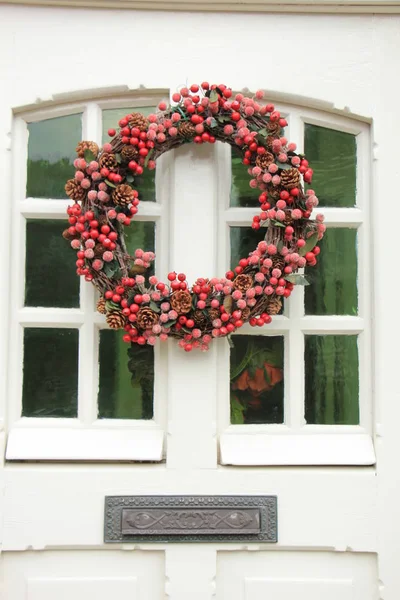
(106, 199)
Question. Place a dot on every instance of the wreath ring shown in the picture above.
(106, 199)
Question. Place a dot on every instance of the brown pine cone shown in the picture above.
(138, 120)
(129, 153)
(243, 282)
(274, 128)
(146, 318)
(123, 195)
(290, 178)
(245, 313)
(67, 236)
(274, 192)
(278, 262)
(264, 160)
(200, 318)
(101, 306)
(108, 161)
(99, 250)
(288, 217)
(84, 145)
(181, 301)
(269, 141)
(213, 313)
(74, 190)
(186, 130)
(115, 319)
(274, 306)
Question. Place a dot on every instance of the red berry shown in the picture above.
(172, 276)
(181, 276)
(111, 132)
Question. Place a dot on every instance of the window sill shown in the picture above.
(62, 443)
(263, 448)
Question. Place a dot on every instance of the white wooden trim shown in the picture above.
(85, 444)
(290, 6)
(295, 448)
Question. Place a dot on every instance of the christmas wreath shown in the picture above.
(106, 199)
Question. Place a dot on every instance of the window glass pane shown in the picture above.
(50, 274)
(331, 379)
(241, 192)
(51, 153)
(50, 381)
(244, 240)
(141, 234)
(333, 157)
(124, 393)
(333, 289)
(144, 183)
(256, 379)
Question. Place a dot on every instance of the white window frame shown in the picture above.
(85, 437)
(294, 442)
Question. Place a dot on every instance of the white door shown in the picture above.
(311, 415)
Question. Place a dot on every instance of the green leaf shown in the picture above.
(111, 305)
(237, 410)
(89, 156)
(108, 182)
(278, 224)
(130, 178)
(309, 245)
(263, 132)
(213, 123)
(118, 158)
(223, 119)
(154, 307)
(170, 324)
(146, 162)
(110, 268)
(230, 341)
(213, 96)
(279, 245)
(297, 279)
(283, 166)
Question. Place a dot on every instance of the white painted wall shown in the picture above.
(348, 62)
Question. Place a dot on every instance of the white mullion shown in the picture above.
(50, 317)
(87, 399)
(42, 208)
(330, 324)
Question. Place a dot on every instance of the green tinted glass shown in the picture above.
(333, 289)
(50, 382)
(241, 192)
(256, 379)
(333, 157)
(51, 153)
(244, 240)
(141, 234)
(126, 383)
(331, 380)
(146, 183)
(50, 277)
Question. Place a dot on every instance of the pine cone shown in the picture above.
(67, 236)
(269, 141)
(278, 262)
(243, 282)
(115, 319)
(288, 217)
(101, 306)
(108, 161)
(245, 313)
(129, 153)
(146, 318)
(181, 301)
(274, 128)
(74, 190)
(123, 195)
(186, 130)
(99, 250)
(213, 313)
(138, 120)
(290, 178)
(83, 146)
(264, 160)
(274, 306)
(200, 318)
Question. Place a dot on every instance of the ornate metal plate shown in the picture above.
(190, 519)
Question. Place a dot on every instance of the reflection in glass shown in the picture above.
(333, 156)
(50, 277)
(50, 381)
(241, 192)
(333, 289)
(244, 240)
(126, 383)
(256, 376)
(51, 153)
(144, 183)
(331, 380)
